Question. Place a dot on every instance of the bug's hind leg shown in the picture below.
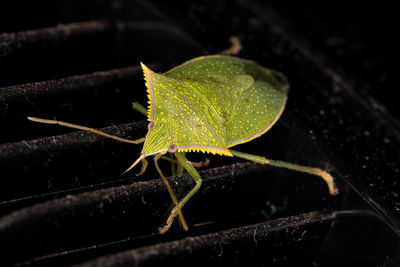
(177, 207)
(84, 128)
(235, 47)
(333, 190)
(196, 176)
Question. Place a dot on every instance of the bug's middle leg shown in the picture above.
(197, 178)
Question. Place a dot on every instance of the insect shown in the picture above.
(208, 104)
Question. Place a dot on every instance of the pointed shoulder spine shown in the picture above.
(148, 73)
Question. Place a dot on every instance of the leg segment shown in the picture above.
(179, 169)
(235, 47)
(70, 125)
(333, 190)
(177, 207)
(140, 108)
(173, 165)
(198, 164)
(145, 163)
(196, 176)
(179, 166)
(201, 164)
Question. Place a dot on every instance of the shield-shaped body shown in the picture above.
(211, 103)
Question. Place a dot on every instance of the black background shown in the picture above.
(340, 57)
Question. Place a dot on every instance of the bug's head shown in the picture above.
(159, 137)
(157, 140)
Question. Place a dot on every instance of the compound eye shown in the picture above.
(172, 148)
(150, 125)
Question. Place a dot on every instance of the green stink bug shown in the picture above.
(208, 104)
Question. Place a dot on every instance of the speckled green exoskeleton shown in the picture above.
(209, 104)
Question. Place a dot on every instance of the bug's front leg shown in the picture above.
(196, 176)
(197, 165)
(171, 193)
(179, 167)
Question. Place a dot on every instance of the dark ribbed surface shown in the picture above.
(63, 200)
